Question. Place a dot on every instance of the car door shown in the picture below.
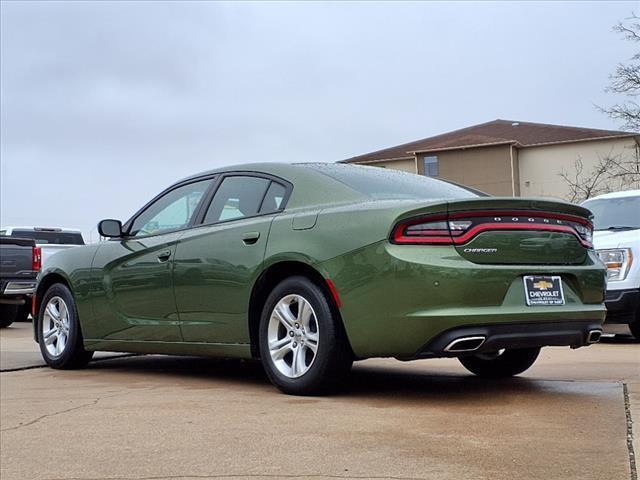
(136, 300)
(217, 263)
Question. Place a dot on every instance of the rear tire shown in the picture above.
(23, 313)
(635, 327)
(507, 364)
(8, 314)
(59, 333)
(303, 347)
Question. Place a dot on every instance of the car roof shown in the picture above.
(45, 229)
(626, 193)
(315, 188)
(273, 168)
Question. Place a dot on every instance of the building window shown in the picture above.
(431, 166)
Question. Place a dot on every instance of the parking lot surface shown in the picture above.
(155, 417)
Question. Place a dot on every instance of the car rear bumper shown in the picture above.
(476, 339)
(396, 299)
(19, 288)
(622, 305)
(17, 292)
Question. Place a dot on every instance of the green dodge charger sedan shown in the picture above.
(309, 267)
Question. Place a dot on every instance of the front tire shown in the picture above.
(58, 327)
(303, 346)
(502, 364)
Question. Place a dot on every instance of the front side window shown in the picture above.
(237, 197)
(431, 166)
(170, 212)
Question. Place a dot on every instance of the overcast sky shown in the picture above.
(104, 104)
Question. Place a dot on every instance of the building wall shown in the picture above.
(487, 169)
(540, 167)
(408, 165)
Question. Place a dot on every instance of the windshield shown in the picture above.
(387, 184)
(613, 213)
(55, 238)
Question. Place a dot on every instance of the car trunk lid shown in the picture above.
(520, 231)
(502, 230)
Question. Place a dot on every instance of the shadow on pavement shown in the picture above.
(620, 339)
(374, 381)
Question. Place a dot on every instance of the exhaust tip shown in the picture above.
(465, 344)
(594, 336)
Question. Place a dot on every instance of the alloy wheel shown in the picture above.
(293, 336)
(55, 326)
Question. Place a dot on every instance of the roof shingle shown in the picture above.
(496, 132)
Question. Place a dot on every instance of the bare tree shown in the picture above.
(610, 173)
(613, 172)
(626, 79)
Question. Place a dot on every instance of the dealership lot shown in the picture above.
(143, 417)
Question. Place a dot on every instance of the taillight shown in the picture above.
(461, 227)
(428, 230)
(36, 259)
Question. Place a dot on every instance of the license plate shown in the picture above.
(543, 290)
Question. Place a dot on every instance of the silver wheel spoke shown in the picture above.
(285, 316)
(60, 344)
(311, 345)
(295, 363)
(302, 359)
(275, 345)
(304, 312)
(53, 313)
(62, 310)
(50, 336)
(278, 352)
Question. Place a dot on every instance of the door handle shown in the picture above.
(250, 238)
(164, 256)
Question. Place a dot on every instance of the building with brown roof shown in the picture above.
(505, 157)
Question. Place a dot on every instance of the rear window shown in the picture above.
(55, 238)
(387, 184)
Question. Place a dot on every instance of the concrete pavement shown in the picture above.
(19, 351)
(152, 417)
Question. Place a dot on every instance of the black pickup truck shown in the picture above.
(20, 261)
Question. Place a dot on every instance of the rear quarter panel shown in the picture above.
(315, 235)
(74, 267)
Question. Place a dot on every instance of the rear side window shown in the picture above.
(237, 197)
(273, 199)
(388, 184)
(53, 238)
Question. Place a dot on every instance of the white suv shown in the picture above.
(617, 241)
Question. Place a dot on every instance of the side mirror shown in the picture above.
(110, 228)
